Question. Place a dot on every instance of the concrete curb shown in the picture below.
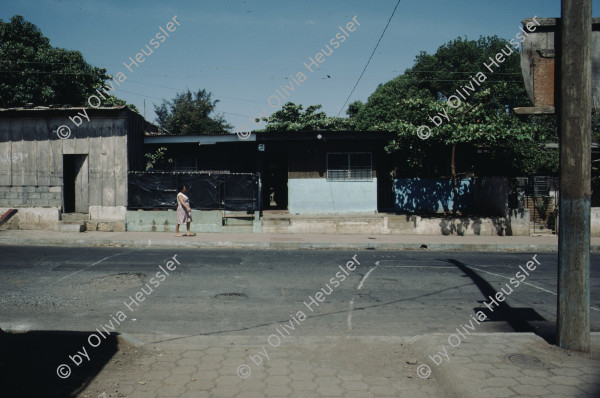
(227, 244)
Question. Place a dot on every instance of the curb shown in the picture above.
(483, 247)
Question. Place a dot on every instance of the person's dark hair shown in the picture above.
(181, 187)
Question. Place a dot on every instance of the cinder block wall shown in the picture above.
(45, 196)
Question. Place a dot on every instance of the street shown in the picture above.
(252, 292)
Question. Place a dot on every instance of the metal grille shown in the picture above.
(355, 166)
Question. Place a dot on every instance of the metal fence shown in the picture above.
(158, 190)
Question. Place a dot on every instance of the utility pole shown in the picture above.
(574, 121)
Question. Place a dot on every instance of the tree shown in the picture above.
(354, 108)
(32, 71)
(189, 114)
(482, 120)
(455, 62)
(291, 118)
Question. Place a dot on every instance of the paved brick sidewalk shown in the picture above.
(511, 365)
(485, 365)
(299, 367)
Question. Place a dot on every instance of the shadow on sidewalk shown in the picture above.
(517, 318)
(29, 362)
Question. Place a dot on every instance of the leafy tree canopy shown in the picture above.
(483, 119)
(291, 118)
(457, 61)
(190, 114)
(32, 71)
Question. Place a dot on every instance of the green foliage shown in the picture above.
(291, 118)
(155, 158)
(455, 62)
(31, 70)
(354, 108)
(407, 102)
(387, 105)
(189, 114)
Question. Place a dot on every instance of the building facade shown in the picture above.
(44, 175)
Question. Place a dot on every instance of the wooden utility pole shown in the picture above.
(574, 113)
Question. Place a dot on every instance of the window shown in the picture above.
(349, 166)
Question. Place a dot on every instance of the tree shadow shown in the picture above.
(481, 196)
(517, 318)
(29, 362)
(460, 225)
(431, 195)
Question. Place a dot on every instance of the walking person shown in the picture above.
(184, 211)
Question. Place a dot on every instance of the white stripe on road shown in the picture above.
(97, 262)
(478, 269)
(525, 283)
(360, 285)
(506, 277)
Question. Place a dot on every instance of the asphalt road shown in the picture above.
(252, 292)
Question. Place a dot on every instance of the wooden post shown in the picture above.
(574, 113)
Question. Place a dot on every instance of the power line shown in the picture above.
(162, 99)
(179, 89)
(373, 53)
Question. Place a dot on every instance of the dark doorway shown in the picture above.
(275, 179)
(75, 183)
(385, 190)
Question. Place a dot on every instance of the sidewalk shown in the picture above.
(484, 365)
(285, 241)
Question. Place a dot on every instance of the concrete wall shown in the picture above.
(374, 224)
(202, 221)
(392, 224)
(432, 195)
(107, 213)
(462, 226)
(32, 218)
(39, 196)
(595, 222)
(319, 196)
(518, 222)
(484, 196)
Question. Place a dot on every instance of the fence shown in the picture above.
(158, 190)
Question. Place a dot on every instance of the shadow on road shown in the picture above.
(29, 362)
(517, 318)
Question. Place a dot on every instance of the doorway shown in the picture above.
(75, 184)
(275, 180)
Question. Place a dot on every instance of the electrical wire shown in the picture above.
(369, 60)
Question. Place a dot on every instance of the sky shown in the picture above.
(243, 51)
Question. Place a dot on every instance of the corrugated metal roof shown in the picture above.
(200, 139)
(47, 108)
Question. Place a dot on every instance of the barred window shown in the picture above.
(349, 166)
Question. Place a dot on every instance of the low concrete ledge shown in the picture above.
(202, 221)
(331, 224)
(105, 226)
(32, 218)
(113, 213)
(392, 224)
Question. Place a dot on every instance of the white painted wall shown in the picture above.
(319, 196)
